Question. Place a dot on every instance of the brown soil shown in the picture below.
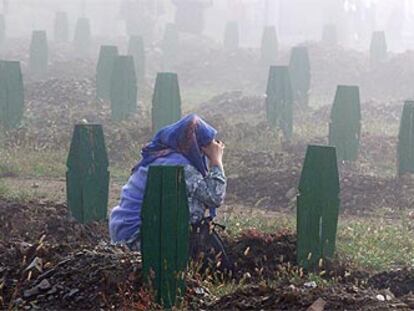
(49, 261)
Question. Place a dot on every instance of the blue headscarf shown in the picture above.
(186, 136)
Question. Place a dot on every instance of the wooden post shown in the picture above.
(123, 88)
(231, 36)
(405, 149)
(2, 29)
(317, 206)
(279, 100)
(166, 101)
(61, 27)
(137, 51)
(11, 94)
(329, 35)
(169, 47)
(87, 177)
(39, 53)
(165, 232)
(107, 56)
(345, 124)
(83, 37)
(378, 48)
(269, 47)
(300, 75)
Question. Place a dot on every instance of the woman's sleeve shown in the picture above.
(210, 189)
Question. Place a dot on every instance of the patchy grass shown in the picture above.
(370, 243)
(377, 244)
(238, 220)
(32, 163)
(19, 196)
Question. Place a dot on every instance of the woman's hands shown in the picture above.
(214, 152)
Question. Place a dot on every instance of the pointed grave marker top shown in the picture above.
(345, 124)
(405, 149)
(87, 177)
(107, 56)
(231, 36)
(269, 46)
(39, 52)
(166, 101)
(11, 94)
(137, 51)
(124, 91)
(317, 206)
(61, 27)
(378, 47)
(300, 74)
(279, 100)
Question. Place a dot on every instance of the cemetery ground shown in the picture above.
(49, 261)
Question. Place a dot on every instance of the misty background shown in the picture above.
(296, 20)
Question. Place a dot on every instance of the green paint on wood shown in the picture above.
(170, 46)
(345, 124)
(61, 27)
(329, 35)
(166, 101)
(2, 29)
(378, 48)
(83, 38)
(11, 94)
(87, 177)
(107, 56)
(300, 75)
(165, 232)
(269, 47)
(279, 100)
(317, 206)
(39, 53)
(231, 36)
(137, 51)
(123, 88)
(405, 149)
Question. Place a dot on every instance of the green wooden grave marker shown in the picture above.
(123, 88)
(39, 53)
(279, 100)
(269, 47)
(11, 94)
(83, 38)
(2, 29)
(405, 149)
(87, 177)
(329, 35)
(166, 101)
(317, 206)
(170, 44)
(345, 124)
(231, 36)
(300, 75)
(61, 27)
(137, 51)
(165, 232)
(378, 48)
(107, 56)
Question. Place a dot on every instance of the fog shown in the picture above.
(310, 173)
(296, 20)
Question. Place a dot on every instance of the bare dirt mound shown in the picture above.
(400, 282)
(94, 278)
(47, 221)
(49, 261)
(293, 298)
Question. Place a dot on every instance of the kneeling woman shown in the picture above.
(188, 143)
